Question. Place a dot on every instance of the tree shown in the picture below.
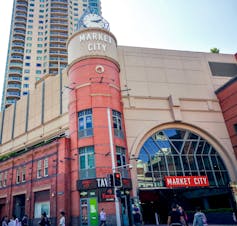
(215, 50)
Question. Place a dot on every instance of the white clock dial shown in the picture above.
(94, 20)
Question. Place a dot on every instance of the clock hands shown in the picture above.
(96, 21)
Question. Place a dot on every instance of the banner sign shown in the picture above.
(106, 195)
(186, 181)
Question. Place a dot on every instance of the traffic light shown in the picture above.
(111, 180)
(118, 193)
(117, 180)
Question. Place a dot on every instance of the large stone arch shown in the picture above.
(225, 153)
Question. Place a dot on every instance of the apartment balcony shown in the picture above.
(59, 12)
(55, 53)
(18, 38)
(20, 15)
(60, 1)
(15, 72)
(53, 71)
(58, 34)
(14, 65)
(60, 31)
(18, 45)
(59, 5)
(65, 2)
(16, 51)
(14, 87)
(10, 102)
(53, 65)
(21, 9)
(59, 46)
(21, 20)
(22, 3)
(64, 17)
(21, 26)
(58, 40)
(14, 79)
(58, 22)
(59, 28)
(16, 58)
(61, 58)
(19, 32)
(13, 94)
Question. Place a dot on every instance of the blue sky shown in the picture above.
(193, 25)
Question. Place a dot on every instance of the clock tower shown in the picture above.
(96, 121)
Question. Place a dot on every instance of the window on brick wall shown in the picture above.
(1, 176)
(5, 179)
(46, 167)
(85, 124)
(39, 169)
(235, 127)
(18, 175)
(117, 124)
(87, 162)
(23, 174)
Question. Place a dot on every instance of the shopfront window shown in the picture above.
(177, 152)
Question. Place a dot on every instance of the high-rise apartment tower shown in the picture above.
(37, 42)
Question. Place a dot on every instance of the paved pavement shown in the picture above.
(191, 225)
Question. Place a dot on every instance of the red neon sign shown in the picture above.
(186, 181)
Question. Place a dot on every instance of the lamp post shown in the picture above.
(118, 220)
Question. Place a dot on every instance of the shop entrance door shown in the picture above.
(19, 205)
(89, 212)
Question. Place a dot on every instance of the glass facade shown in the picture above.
(178, 152)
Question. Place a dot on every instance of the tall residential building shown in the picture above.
(37, 42)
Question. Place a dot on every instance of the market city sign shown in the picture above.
(96, 40)
(186, 181)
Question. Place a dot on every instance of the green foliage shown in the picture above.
(7, 156)
(215, 50)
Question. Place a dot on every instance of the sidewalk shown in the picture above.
(191, 224)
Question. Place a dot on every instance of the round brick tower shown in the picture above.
(96, 127)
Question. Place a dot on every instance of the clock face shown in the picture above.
(94, 20)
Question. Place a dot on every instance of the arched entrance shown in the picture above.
(178, 165)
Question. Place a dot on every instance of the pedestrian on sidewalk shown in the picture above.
(102, 217)
(174, 217)
(199, 218)
(137, 218)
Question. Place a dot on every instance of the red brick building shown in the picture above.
(116, 108)
(227, 95)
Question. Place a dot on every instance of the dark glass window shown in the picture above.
(117, 124)
(87, 162)
(235, 128)
(223, 69)
(85, 123)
